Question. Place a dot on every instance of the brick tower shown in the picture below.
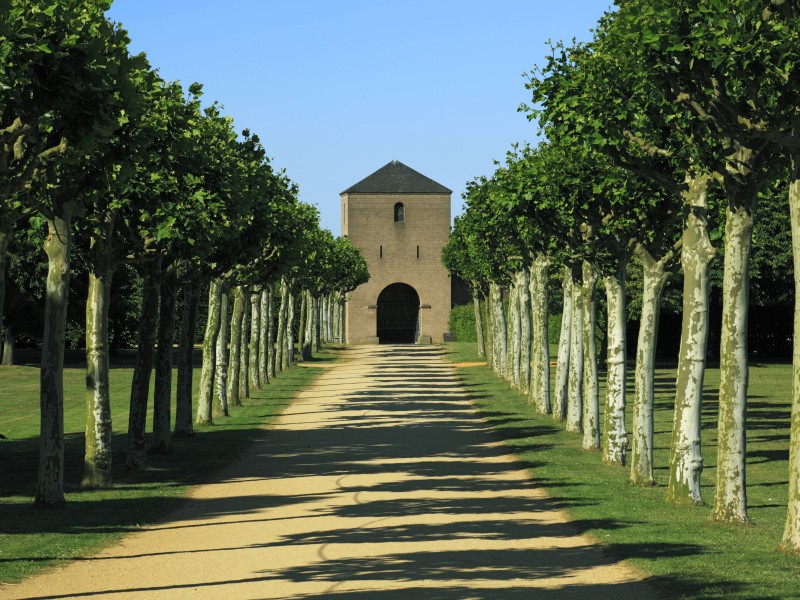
(400, 220)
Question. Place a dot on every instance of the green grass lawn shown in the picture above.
(32, 540)
(682, 551)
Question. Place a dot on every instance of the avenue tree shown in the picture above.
(65, 72)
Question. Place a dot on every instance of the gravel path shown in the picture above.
(380, 482)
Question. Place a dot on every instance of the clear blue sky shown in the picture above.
(338, 88)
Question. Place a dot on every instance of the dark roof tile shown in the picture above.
(397, 178)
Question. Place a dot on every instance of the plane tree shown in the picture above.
(733, 67)
(593, 96)
(461, 257)
(64, 68)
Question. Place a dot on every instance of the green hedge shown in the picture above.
(462, 324)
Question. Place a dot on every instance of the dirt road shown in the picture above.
(380, 482)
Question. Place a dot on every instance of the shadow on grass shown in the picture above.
(434, 444)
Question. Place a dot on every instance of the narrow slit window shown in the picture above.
(399, 213)
(417, 251)
(381, 252)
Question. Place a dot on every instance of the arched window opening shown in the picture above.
(399, 213)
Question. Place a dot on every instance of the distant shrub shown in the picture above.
(553, 328)
(462, 323)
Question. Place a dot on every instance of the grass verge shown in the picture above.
(31, 540)
(681, 550)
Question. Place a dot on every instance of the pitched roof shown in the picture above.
(397, 178)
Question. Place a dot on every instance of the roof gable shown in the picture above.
(397, 178)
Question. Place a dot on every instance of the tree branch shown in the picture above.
(648, 149)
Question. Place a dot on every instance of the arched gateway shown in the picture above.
(400, 220)
(398, 314)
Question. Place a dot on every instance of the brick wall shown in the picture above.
(390, 250)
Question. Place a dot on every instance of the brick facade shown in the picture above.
(399, 252)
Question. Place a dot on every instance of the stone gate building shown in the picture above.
(400, 220)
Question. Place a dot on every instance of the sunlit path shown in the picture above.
(380, 482)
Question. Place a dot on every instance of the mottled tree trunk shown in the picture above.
(654, 277)
(271, 330)
(143, 368)
(162, 391)
(265, 312)
(244, 348)
(325, 315)
(301, 328)
(686, 461)
(525, 332)
(290, 330)
(591, 382)
(540, 377)
(318, 324)
(514, 368)
(221, 355)
(730, 499)
(309, 321)
(490, 341)
(235, 361)
(205, 398)
(791, 530)
(183, 391)
(8, 346)
(331, 305)
(328, 320)
(575, 401)
(615, 438)
(255, 338)
(97, 455)
(280, 337)
(337, 315)
(564, 350)
(476, 303)
(6, 234)
(50, 481)
(500, 330)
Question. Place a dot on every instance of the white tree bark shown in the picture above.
(686, 461)
(654, 277)
(206, 394)
(499, 329)
(221, 370)
(564, 351)
(476, 304)
(271, 330)
(791, 530)
(290, 330)
(309, 325)
(244, 349)
(591, 382)
(730, 499)
(253, 373)
(575, 387)
(515, 326)
(525, 333)
(615, 438)
(490, 341)
(540, 377)
(235, 360)
(265, 313)
(97, 455)
(280, 334)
